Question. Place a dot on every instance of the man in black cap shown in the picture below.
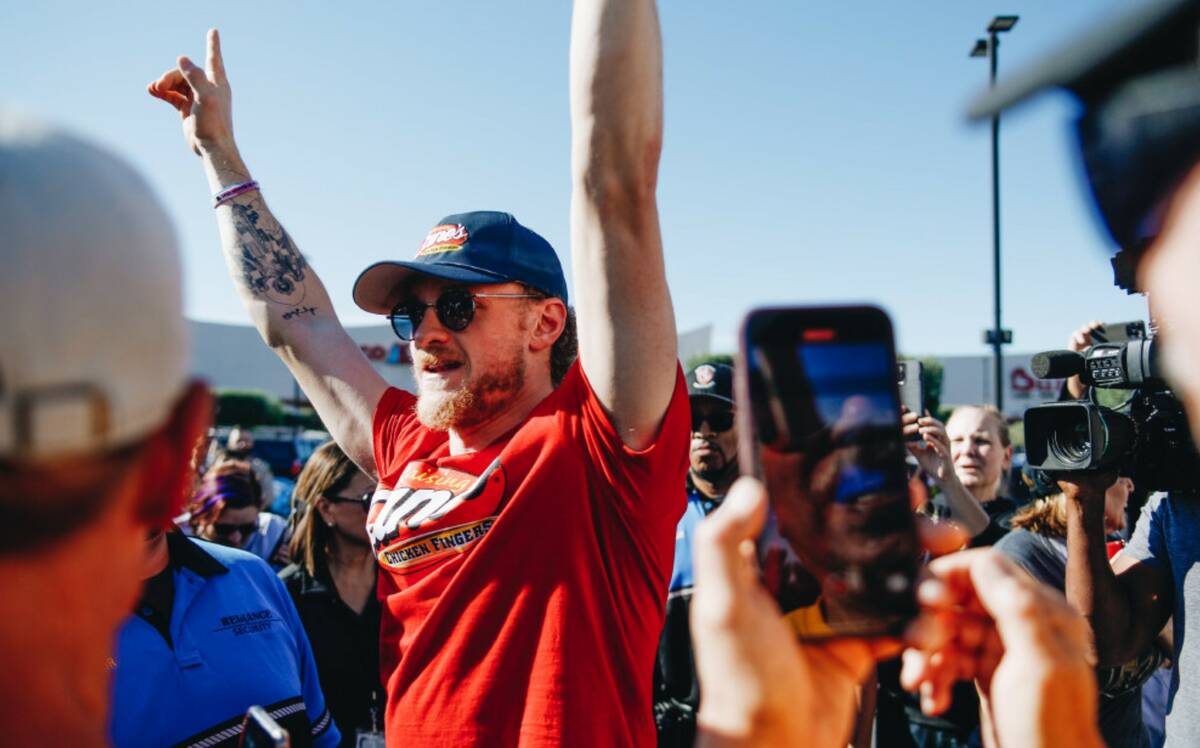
(526, 507)
(712, 468)
(1139, 135)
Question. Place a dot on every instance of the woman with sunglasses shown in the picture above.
(332, 583)
(226, 509)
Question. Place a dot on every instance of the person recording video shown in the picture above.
(1038, 544)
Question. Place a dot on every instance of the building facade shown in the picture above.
(234, 356)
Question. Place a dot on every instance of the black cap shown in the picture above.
(1151, 37)
(711, 380)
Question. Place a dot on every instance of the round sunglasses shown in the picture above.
(455, 308)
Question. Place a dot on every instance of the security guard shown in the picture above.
(712, 468)
(214, 633)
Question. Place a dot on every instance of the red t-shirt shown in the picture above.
(523, 585)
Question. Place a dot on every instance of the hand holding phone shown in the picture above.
(259, 730)
(912, 390)
(822, 429)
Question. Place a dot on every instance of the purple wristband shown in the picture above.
(226, 195)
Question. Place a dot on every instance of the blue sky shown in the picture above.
(814, 152)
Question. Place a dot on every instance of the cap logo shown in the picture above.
(705, 376)
(447, 237)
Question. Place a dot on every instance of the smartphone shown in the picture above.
(1119, 332)
(912, 389)
(260, 730)
(822, 430)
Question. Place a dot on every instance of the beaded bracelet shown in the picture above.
(226, 195)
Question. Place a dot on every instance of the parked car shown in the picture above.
(284, 450)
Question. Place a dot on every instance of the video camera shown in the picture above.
(1145, 437)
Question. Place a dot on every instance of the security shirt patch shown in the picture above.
(249, 622)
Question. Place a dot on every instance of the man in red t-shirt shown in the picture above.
(525, 517)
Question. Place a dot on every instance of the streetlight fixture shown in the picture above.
(997, 336)
(1003, 23)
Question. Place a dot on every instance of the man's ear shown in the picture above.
(549, 325)
(169, 461)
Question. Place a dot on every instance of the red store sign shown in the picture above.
(1024, 385)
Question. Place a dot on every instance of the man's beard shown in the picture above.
(473, 402)
(716, 467)
(713, 474)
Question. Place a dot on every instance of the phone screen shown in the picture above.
(839, 551)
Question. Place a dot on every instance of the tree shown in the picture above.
(247, 408)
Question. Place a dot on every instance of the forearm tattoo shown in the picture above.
(272, 267)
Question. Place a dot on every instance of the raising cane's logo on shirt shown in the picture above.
(447, 237)
(432, 514)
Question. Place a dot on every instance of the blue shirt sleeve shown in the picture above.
(325, 733)
(1147, 543)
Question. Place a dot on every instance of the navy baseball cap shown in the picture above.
(482, 246)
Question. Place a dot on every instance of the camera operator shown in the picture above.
(1139, 135)
(1038, 544)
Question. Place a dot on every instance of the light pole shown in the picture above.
(997, 336)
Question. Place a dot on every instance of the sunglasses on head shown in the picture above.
(225, 530)
(719, 421)
(455, 308)
(364, 500)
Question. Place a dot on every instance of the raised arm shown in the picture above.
(1126, 603)
(285, 298)
(932, 451)
(627, 342)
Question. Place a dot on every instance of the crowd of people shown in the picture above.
(548, 543)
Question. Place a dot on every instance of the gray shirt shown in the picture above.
(1045, 558)
(1168, 538)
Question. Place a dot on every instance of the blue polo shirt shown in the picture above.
(235, 640)
(698, 507)
(674, 673)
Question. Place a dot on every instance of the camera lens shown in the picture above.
(1071, 444)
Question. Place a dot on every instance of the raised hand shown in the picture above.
(933, 449)
(203, 99)
(1079, 342)
(1082, 338)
